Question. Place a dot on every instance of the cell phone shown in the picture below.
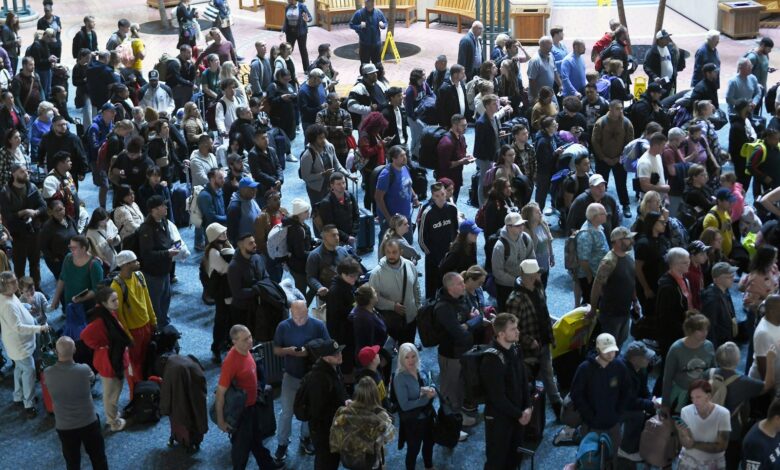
(177, 245)
(82, 293)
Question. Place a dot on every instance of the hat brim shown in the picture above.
(251, 185)
(338, 350)
(475, 230)
(609, 349)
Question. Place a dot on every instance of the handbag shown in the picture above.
(395, 322)
(447, 427)
(235, 402)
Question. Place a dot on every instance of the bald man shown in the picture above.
(471, 50)
(77, 424)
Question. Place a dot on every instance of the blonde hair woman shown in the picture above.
(415, 400)
(398, 226)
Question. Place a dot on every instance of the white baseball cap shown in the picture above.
(605, 343)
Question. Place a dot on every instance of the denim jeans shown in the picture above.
(200, 238)
(483, 166)
(616, 325)
(547, 375)
(45, 81)
(24, 381)
(290, 385)
(160, 293)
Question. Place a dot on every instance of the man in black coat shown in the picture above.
(662, 63)
(86, 38)
(395, 115)
(439, 73)
(245, 270)
(324, 395)
(340, 208)
(649, 109)
(23, 210)
(264, 165)
(156, 253)
(99, 77)
(61, 139)
(717, 305)
(243, 128)
(508, 406)
(451, 98)
(707, 89)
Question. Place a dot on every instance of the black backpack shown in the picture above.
(145, 407)
(470, 364)
(301, 408)
(769, 101)
(490, 243)
(429, 158)
(698, 227)
(426, 325)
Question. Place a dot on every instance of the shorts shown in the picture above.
(99, 176)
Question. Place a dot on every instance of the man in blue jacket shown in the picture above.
(600, 390)
(211, 202)
(311, 98)
(367, 22)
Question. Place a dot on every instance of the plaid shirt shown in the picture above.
(335, 136)
(521, 304)
(526, 160)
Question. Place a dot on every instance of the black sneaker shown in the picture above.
(307, 446)
(627, 212)
(280, 455)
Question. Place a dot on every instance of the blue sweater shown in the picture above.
(370, 35)
(407, 391)
(310, 102)
(241, 215)
(600, 393)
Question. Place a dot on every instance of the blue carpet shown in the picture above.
(27, 441)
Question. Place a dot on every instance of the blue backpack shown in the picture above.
(594, 451)
(603, 85)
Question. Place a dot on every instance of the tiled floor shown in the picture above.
(34, 443)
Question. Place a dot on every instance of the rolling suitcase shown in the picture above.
(271, 365)
(366, 228)
(179, 195)
(184, 436)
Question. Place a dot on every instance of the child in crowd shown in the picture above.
(369, 359)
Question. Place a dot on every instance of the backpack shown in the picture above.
(658, 443)
(603, 86)
(123, 285)
(479, 219)
(426, 325)
(125, 52)
(145, 407)
(470, 364)
(632, 152)
(570, 259)
(277, 242)
(769, 101)
(429, 157)
(425, 109)
(698, 227)
(594, 451)
(490, 176)
(301, 408)
(132, 242)
(490, 243)
(102, 155)
(196, 216)
(720, 386)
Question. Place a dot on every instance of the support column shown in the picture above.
(22, 10)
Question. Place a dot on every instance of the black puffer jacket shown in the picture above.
(447, 313)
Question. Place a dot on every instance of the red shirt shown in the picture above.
(696, 282)
(240, 370)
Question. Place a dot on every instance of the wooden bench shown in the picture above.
(327, 9)
(407, 7)
(460, 9)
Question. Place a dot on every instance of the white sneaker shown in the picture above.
(463, 436)
(120, 425)
(291, 158)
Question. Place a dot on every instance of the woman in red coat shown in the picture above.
(106, 337)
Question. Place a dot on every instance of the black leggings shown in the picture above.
(418, 434)
(291, 39)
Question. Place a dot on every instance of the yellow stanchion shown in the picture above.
(640, 86)
(389, 41)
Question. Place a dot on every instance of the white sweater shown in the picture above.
(19, 328)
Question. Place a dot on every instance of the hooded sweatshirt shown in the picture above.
(388, 283)
(600, 393)
(506, 272)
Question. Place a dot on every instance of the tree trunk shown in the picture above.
(659, 19)
(391, 20)
(358, 5)
(164, 23)
(623, 21)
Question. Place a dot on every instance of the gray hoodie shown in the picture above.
(388, 284)
(521, 249)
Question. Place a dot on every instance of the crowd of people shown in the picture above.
(204, 139)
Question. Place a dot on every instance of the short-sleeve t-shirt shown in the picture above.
(759, 451)
(651, 251)
(288, 333)
(137, 45)
(649, 164)
(542, 73)
(78, 278)
(240, 370)
(706, 430)
(765, 336)
(398, 196)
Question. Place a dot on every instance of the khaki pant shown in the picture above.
(112, 388)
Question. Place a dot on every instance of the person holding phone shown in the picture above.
(290, 339)
(80, 276)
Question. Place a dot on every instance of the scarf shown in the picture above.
(117, 339)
